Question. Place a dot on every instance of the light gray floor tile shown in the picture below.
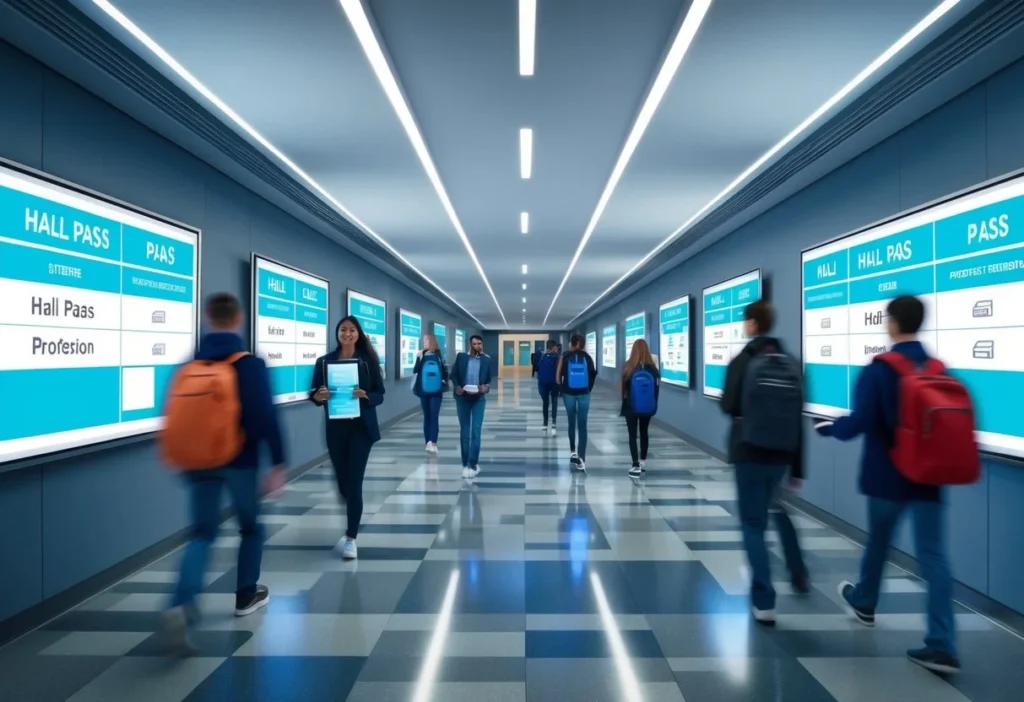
(584, 622)
(648, 546)
(96, 643)
(880, 680)
(448, 692)
(314, 635)
(148, 678)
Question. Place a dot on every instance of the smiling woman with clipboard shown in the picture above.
(348, 383)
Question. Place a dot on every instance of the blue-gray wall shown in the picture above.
(65, 521)
(973, 138)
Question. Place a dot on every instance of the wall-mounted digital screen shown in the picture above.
(591, 344)
(724, 336)
(635, 328)
(410, 327)
(965, 259)
(99, 311)
(441, 332)
(608, 343)
(372, 314)
(674, 341)
(460, 341)
(289, 325)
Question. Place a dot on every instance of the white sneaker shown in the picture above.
(635, 472)
(764, 616)
(574, 459)
(474, 471)
(428, 448)
(433, 448)
(554, 432)
(582, 465)
(349, 552)
(467, 473)
(643, 466)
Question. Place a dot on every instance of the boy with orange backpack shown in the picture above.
(219, 410)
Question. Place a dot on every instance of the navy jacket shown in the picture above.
(370, 380)
(563, 373)
(417, 388)
(875, 413)
(259, 417)
(461, 365)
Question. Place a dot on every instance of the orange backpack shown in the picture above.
(203, 426)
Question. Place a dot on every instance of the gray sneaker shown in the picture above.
(175, 634)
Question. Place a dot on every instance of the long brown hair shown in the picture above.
(639, 356)
(430, 344)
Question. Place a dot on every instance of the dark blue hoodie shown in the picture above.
(259, 417)
(875, 413)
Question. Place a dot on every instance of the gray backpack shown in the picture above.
(772, 402)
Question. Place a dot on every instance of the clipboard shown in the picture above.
(341, 377)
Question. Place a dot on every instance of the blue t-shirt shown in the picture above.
(473, 371)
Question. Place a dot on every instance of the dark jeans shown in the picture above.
(788, 539)
(431, 406)
(633, 424)
(349, 447)
(577, 407)
(549, 399)
(471, 422)
(930, 549)
(205, 508)
(755, 491)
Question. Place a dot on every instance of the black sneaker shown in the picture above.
(635, 472)
(935, 661)
(864, 616)
(801, 584)
(247, 604)
(574, 459)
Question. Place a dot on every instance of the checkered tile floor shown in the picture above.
(531, 583)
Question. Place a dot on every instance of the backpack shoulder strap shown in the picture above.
(236, 357)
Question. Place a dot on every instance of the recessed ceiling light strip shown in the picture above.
(684, 38)
(217, 102)
(527, 36)
(375, 54)
(886, 56)
(525, 153)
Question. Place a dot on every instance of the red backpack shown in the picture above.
(934, 442)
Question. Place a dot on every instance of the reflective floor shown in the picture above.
(530, 583)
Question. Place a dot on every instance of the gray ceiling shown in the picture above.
(296, 72)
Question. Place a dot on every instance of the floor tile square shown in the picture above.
(96, 643)
(357, 593)
(877, 679)
(746, 680)
(317, 679)
(447, 691)
(483, 587)
(304, 635)
(568, 587)
(150, 679)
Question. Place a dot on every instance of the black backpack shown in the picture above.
(773, 401)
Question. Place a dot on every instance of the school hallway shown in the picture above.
(528, 583)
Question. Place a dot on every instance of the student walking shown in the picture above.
(764, 395)
(219, 410)
(639, 388)
(349, 440)
(547, 385)
(471, 378)
(576, 376)
(899, 396)
(429, 385)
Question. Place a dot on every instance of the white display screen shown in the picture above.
(608, 342)
(674, 341)
(99, 310)
(441, 333)
(635, 328)
(724, 336)
(372, 314)
(410, 333)
(591, 344)
(965, 259)
(289, 325)
(460, 341)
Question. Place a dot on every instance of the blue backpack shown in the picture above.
(430, 375)
(547, 368)
(641, 393)
(578, 373)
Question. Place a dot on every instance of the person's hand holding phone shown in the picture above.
(322, 395)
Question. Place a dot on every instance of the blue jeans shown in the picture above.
(549, 399)
(788, 540)
(756, 484)
(471, 422)
(205, 506)
(577, 407)
(431, 406)
(929, 546)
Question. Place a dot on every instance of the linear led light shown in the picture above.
(525, 269)
(524, 300)
(524, 286)
(226, 110)
(680, 45)
(886, 56)
(424, 690)
(527, 36)
(375, 54)
(525, 152)
(524, 222)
